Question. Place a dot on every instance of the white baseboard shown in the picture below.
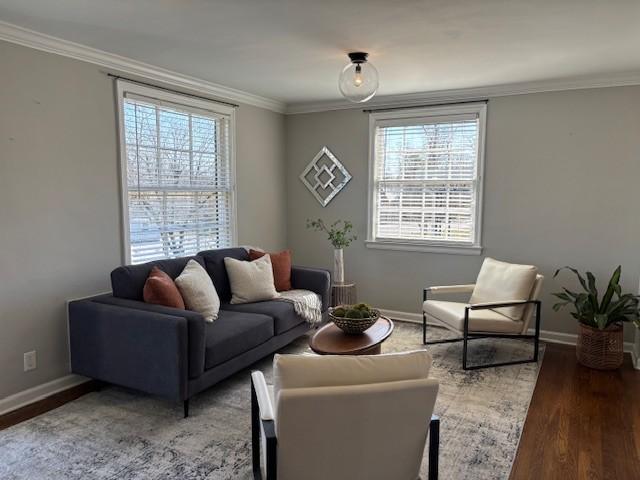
(402, 316)
(545, 335)
(570, 339)
(31, 395)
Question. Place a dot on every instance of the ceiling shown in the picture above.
(293, 50)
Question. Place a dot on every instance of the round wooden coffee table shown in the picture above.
(330, 340)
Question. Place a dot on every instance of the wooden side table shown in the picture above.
(343, 294)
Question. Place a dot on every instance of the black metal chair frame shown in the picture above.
(268, 426)
(468, 336)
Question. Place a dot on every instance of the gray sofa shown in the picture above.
(120, 339)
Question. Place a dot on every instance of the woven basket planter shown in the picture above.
(600, 349)
(354, 326)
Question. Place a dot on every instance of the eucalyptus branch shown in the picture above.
(338, 233)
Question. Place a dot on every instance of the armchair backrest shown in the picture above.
(347, 418)
(502, 282)
(530, 309)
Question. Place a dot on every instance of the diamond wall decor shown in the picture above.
(325, 176)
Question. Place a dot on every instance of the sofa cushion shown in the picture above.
(234, 333)
(214, 264)
(128, 281)
(283, 314)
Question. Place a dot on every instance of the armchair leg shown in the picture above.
(272, 456)
(185, 405)
(434, 447)
(271, 452)
(465, 339)
(424, 329)
(535, 337)
(424, 319)
(255, 434)
(536, 341)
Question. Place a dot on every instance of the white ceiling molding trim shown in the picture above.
(29, 38)
(472, 94)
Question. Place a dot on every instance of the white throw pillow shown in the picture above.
(500, 282)
(251, 281)
(198, 292)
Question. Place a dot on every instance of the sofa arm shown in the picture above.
(129, 347)
(317, 280)
(195, 327)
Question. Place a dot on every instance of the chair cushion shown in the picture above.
(234, 333)
(452, 314)
(502, 282)
(283, 314)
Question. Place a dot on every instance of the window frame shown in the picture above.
(179, 100)
(403, 117)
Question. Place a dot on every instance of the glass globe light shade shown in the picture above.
(358, 81)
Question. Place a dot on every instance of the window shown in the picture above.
(178, 189)
(426, 179)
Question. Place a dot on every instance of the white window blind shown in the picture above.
(179, 178)
(426, 177)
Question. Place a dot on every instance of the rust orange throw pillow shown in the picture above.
(161, 290)
(281, 264)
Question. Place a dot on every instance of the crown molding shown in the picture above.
(471, 94)
(39, 41)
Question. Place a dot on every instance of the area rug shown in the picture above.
(121, 434)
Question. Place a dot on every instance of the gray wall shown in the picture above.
(60, 233)
(562, 172)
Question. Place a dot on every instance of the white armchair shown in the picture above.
(345, 418)
(502, 304)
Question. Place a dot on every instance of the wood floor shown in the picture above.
(582, 423)
(49, 403)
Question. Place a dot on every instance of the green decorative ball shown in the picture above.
(353, 313)
(339, 312)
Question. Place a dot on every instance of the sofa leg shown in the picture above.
(186, 408)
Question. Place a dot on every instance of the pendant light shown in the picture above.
(359, 79)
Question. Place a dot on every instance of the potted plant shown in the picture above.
(600, 339)
(340, 236)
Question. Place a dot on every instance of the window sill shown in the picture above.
(424, 247)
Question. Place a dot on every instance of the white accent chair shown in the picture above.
(503, 301)
(360, 417)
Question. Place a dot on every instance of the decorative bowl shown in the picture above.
(354, 326)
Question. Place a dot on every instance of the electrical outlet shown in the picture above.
(30, 361)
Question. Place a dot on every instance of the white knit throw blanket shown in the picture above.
(306, 303)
